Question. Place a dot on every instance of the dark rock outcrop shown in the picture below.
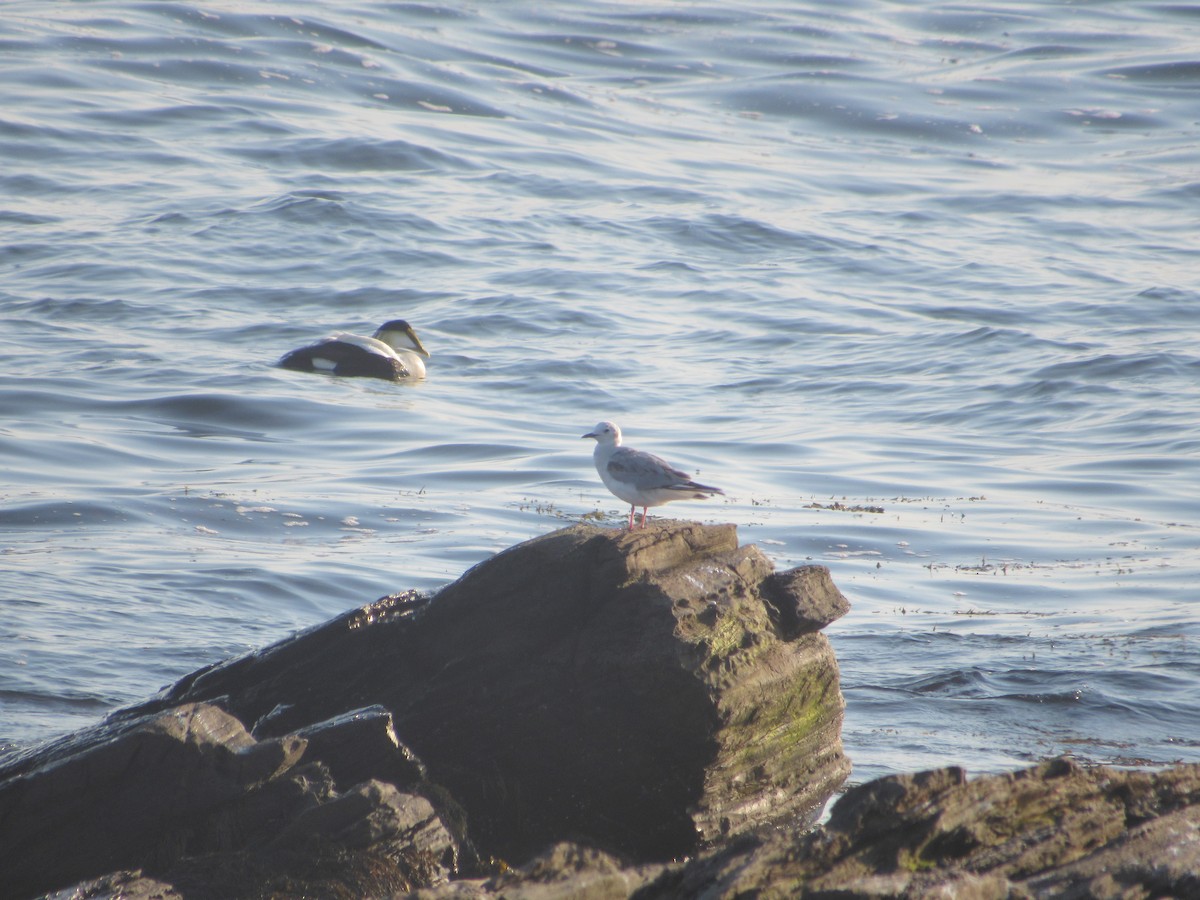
(1055, 830)
(189, 793)
(648, 693)
(627, 689)
(588, 705)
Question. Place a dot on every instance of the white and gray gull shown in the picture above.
(393, 352)
(640, 478)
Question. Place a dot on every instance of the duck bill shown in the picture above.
(417, 345)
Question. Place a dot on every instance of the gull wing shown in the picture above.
(646, 472)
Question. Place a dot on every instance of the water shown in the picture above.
(934, 260)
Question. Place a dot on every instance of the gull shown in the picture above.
(393, 352)
(640, 478)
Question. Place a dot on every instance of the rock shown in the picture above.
(1160, 857)
(1055, 830)
(595, 704)
(377, 818)
(637, 692)
(629, 689)
(188, 783)
(361, 744)
(1052, 831)
(804, 599)
(119, 886)
(564, 871)
(189, 758)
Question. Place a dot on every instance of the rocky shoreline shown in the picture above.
(592, 713)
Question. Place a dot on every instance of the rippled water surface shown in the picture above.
(917, 284)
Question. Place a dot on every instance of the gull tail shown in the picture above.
(700, 491)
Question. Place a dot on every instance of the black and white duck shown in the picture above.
(393, 352)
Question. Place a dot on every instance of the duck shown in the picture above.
(393, 352)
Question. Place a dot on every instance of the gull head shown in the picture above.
(399, 335)
(605, 433)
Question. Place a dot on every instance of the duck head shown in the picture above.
(399, 335)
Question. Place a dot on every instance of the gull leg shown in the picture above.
(643, 517)
(631, 508)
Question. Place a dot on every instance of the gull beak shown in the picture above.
(590, 434)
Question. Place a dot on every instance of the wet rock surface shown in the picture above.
(645, 693)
